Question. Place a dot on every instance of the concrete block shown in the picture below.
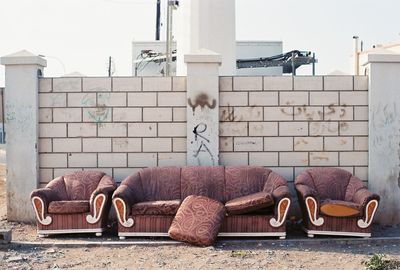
(45, 85)
(324, 159)
(62, 171)
(69, 145)
(113, 160)
(45, 146)
(157, 84)
(225, 84)
(233, 129)
(339, 143)
(361, 172)
(46, 175)
(51, 100)
(52, 130)
(354, 98)
(226, 144)
(120, 174)
(324, 128)
(262, 129)
(80, 160)
(81, 99)
(127, 84)
(157, 114)
(274, 144)
(233, 159)
(94, 145)
(179, 84)
(293, 159)
(354, 128)
(157, 145)
(142, 99)
(248, 114)
(278, 113)
(277, 83)
(308, 83)
(179, 114)
(361, 143)
(293, 128)
(140, 160)
(233, 99)
(324, 98)
(293, 98)
(82, 130)
(142, 129)
(45, 115)
(308, 144)
(127, 145)
(337, 83)
(247, 83)
(263, 159)
(248, 144)
(5, 236)
(306, 113)
(338, 113)
(179, 144)
(172, 159)
(127, 114)
(353, 158)
(97, 114)
(111, 99)
(67, 115)
(263, 98)
(361, 83)
(172, 129)
(112, 130)
(67, 84)
(361, 113)
(172, 99)
(285, 172)
(97, 84)
(52, 160)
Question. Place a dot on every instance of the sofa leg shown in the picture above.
(99, 234)
(282, 237)
(310, 235)
(122, 238)
(42, 235)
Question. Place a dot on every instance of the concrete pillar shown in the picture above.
(203, 108)
(384, 133)
(207, 24)
(21, 116)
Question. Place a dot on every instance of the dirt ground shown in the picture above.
(224, 255)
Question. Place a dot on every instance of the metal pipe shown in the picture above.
(158, 19)
(169, 38)
(356, 55)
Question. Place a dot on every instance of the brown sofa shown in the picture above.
(334, 202)
(78, 202)
(256, 199)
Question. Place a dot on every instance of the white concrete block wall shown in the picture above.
(117, 125)
(292, 123)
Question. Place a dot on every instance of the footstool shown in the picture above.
(197, 221)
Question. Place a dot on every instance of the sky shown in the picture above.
(80, 35)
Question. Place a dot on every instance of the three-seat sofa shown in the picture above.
(256, 199)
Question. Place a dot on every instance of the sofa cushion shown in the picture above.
(208, 181)
(168, 208)
(336, 208)
(249, 203)
(197, 221)
(161, 183)
(69, 207)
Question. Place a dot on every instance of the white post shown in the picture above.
(21, 114)
(384, 134)
(202, 108)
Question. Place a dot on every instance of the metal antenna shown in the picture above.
(158, 19)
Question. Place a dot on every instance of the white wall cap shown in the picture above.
(23, 58)
(382, 56)
(203, 56)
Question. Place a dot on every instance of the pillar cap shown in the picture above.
(203, 56)
(383, 56)
(23, 58)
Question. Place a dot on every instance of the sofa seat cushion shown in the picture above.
(197, 221)
(249, 203)
(69, 207)
(336, 208)
(168, 208)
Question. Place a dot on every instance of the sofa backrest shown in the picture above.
(244, 180)
(80, 185)
(161, 183)
(206, 181)
(330, 183)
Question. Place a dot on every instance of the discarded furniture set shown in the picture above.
(197, 204)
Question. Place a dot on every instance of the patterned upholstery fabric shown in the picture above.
(198, 221)
(156, 208)
(69, 207)
(203, 181)
(249, 203)
(57, 186)
(337, 208)
(244, 180)
(161, 183)
(81, 184)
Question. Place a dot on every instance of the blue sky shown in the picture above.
(83, 33)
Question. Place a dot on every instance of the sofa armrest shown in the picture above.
(249, 203)
(123, 199)
(306, 191)
(281, 192)
(364, 196)
(41, 198)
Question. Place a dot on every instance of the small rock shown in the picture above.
(15, 259)
(51, 251)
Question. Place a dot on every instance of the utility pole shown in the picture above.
(109, 66)
(158, 19)
(172, 5)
